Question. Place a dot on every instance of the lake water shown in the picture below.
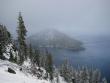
(96, 54)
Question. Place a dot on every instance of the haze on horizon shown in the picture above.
(74, 17)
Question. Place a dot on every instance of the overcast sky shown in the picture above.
(70, 16)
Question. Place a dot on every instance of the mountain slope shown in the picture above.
(20, 76)
(13, 73)
(54, 39)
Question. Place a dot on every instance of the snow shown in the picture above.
(27, 63)
(19, 77)
(9, 48)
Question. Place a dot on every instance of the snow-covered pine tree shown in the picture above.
(83, 75)
(42, 61)
(1, 40)
(66, 71)
(49, 65)
(11, 57)
(57, 75)
(96, 76)
(5, 38)
(22, 47)
(30, 52)
(104, 80)
(36, 58)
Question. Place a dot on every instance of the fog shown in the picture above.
(74, 17)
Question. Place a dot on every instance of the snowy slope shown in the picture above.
(19, 77)
(22, 76)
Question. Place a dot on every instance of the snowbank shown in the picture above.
(20, 76)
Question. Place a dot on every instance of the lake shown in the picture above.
(96, 54)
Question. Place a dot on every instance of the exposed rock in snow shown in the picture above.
(11, 71)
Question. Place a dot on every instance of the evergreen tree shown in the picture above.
(43, 61)
(56, 74)
(83, 75)
(15, 59)
(22, 48)
(96, 76)
(33, 55)
(30, 52)
(37, 57)
(5, 38)
(104, 80)
(49, 67)
(11, 57)
(66, 71)
(7, 35)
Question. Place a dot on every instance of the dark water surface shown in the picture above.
(97, 54)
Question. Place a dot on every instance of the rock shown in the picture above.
(20, 69)
(3, 57)
(11, 71)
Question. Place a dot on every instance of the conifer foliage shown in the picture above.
(21, 40)
(49, 67)
(80, 75)
(5, 38)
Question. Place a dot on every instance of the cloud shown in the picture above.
(74, 16)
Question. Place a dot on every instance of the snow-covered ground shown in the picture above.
(23, 76)
(19, 77)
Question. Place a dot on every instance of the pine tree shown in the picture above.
(65, 71)
(22, 48)
(96, 76)
(56, 74)
(33, 55)
(11, 57)
(49, 67)
(5, 38)
(15, 59)
(43, 61)
(83, 75)
(30, 52)
(37, 57)
(1, 53)
(7, 35)
(104, 80)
